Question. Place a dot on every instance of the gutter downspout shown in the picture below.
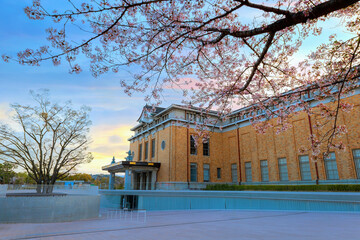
(312, 141)
(238, 148)
(187, 153)
(170, 151)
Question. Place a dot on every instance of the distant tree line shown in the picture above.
(9, 176)
(102, 181)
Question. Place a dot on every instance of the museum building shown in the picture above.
(164, 153)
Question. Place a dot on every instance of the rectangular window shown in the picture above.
(283, 171)
(140, 152)
(218, 172)
(305, 168)
(331, 167)
(248, 174)
(193, 172)
(193, 150)
(146, 150)
(206, 150)
(264, 170)
(152, 148)
(234, 173)
(206, 172)
(356, 155)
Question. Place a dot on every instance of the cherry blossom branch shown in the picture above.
(264, 8)
(317, 11)
(257, 63)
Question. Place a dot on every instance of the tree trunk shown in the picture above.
(44, 188)
(38, 188)
(49, 188)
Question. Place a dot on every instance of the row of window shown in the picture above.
(146, 155)
(153, 123)
(194, 117)
(206, 169)
(283, 170)
(329, 162)
(193, 147)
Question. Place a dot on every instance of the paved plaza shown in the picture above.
(197, 224)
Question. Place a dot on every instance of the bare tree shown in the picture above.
(49, 141)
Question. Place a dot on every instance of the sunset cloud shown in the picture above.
(108, 141)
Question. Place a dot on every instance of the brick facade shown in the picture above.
(239, 143)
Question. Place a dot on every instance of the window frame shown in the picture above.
(206, 168)
(248, 177)
(304, 173)
(191, 173)
(282, 166)
(262, 168)
(232, 172)
(218, 173)
(140, 152)
(146, 150)
(163, 145)
(327, 162)
(206, 151)
(357, 163)
(153, 148)
(193, 148)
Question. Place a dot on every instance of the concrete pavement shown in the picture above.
(197, 224)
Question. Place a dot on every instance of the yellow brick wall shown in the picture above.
(253, 148)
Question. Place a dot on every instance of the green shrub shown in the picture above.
(301, 188)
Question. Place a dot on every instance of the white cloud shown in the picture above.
(104, 147)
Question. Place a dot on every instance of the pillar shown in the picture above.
(141, 180)
(148, 181)
(133, 180)
(111, 181)
(127, 180)
(153, 180)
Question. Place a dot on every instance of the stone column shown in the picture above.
(148, 181)
(141, 180)
(111, 181)
(133, 173)
(127, 180)
(153, 180)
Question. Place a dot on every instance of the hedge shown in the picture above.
(303, 188)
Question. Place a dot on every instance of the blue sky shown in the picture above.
(113, 112)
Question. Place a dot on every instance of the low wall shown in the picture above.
(3, 189)
(48, 209)
(183, 200)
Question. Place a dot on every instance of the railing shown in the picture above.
(3, 189)
(168, 186)
(138, 215)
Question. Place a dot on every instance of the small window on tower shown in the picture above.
(152, 148)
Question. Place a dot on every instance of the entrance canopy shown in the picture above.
(128, 165)
(138, 175)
